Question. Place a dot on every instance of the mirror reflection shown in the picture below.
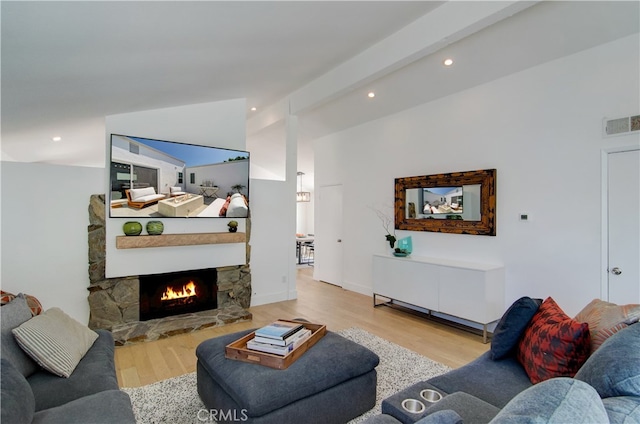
(455, 202)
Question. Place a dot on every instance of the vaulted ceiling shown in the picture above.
(67, 65)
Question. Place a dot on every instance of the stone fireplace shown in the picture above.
(115, 303)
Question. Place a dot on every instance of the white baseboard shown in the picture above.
(264, 299)
(358, 288)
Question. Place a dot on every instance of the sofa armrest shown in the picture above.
(469, 408)
(17, 402)
(446, 416)
(108, 407)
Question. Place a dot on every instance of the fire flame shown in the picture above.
(188, 290)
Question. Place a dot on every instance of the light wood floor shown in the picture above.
(146, 363)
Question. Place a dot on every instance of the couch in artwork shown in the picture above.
(140, 197)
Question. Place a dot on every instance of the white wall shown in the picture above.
(224, 175)
(45, 215)
(540, 128)
(273, 275)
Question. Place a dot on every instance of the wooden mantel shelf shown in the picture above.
(163, 240)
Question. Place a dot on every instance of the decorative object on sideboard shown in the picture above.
(132, 228)
(233, 226)
(386, 224)
(405, 247)
(391, 239)
(155, 228)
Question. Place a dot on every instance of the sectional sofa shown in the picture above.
(543, 367)
(72, 378)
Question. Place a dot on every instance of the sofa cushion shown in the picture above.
(237, 206)
(495, 382)
(605, 319)
(18, 404)
(553, 344)
(14, 314)
(137, 193)
(622, 409)
(95, 373)
(108, 407)
(55, 341)
(511, 326)
(614, 369)
(149, 198)
(558, 400)
(441, 417)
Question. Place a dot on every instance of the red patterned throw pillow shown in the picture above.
(553, 345)
(33, 303)
(6, 297)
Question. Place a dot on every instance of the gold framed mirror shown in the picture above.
(458, 202)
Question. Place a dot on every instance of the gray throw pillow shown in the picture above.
(614, 368)
(558, 400)
(14, 314)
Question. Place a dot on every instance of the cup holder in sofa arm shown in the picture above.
(430, 395)
(413, 406)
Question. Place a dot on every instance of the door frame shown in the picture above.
(604, 226)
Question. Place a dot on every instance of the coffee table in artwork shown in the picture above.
(175, 207)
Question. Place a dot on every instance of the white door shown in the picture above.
(623, 227)
(328, 236)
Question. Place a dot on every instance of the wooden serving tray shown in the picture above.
(238, 350)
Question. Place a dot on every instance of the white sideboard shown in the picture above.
(471, 291)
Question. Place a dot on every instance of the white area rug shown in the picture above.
(176, 400)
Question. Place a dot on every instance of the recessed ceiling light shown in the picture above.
(56, 138)
(447, 62)
(253, 109)
(371, 94)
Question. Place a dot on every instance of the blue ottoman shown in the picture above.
(333, 382)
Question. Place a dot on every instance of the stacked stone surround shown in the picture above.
(114, 302)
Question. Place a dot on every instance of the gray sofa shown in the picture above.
(605, 389)
(31, 394)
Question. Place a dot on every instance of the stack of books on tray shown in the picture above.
(279, 337)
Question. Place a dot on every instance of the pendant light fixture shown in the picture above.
(302, 196)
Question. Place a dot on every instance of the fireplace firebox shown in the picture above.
(175, 293)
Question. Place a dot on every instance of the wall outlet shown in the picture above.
(525, 216)
(284, 279)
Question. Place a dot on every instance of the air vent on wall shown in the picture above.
(621, 126)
